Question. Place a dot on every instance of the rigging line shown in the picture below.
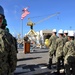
(47, 17)
(41, 15)
(14, 30)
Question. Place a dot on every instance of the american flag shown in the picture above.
(25, 13)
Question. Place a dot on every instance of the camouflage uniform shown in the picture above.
(69, 57)
(14, 39)
(52, 48)
(65, 39)
(74, 41)
(65, 35)
(8, 56)
(15, 43)
(59, 49)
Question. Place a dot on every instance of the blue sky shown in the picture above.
(39, 9)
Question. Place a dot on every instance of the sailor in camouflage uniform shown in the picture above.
(52, 48)
(59, 49)
(69, 54)
(8, 56)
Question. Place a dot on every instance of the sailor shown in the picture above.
(69, 54)
(8, 56)
(59, 48)
(52, 48)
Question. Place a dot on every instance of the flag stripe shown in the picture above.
(25, 13)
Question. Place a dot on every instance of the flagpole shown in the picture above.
(22, 28)
(24, 14)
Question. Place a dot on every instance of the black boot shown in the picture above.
(50, 63)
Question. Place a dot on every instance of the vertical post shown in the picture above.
(22, 28)
(22, 32)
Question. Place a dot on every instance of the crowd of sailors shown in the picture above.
(63, 48)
